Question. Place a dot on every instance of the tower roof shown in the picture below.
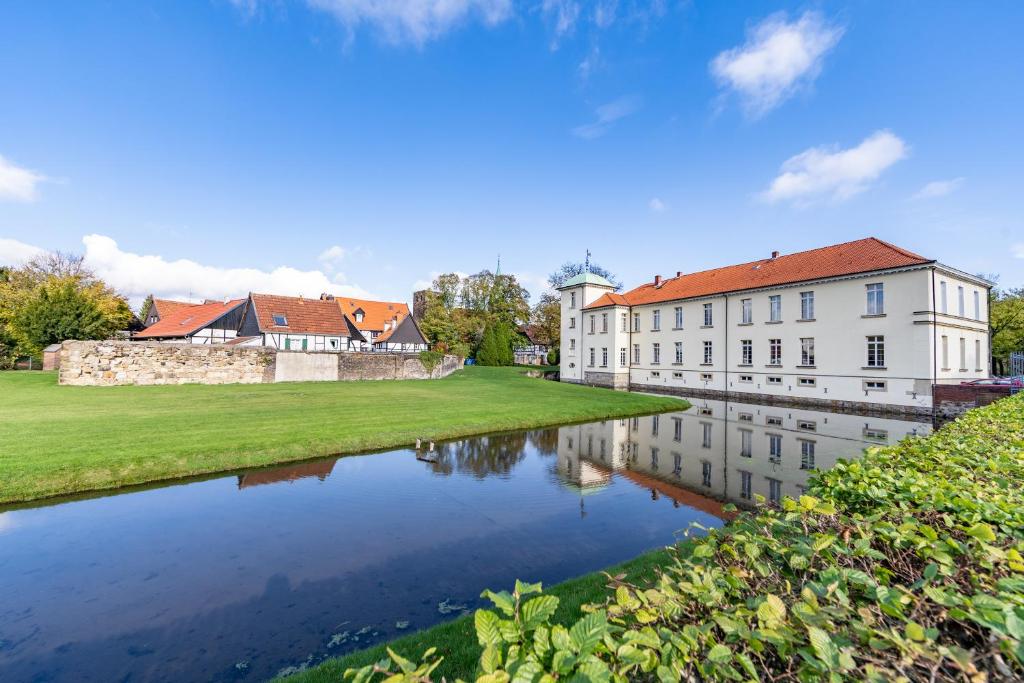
(586, 278)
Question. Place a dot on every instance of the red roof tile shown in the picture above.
(375, 313)
(850, 258)
(185, 319)
(608, 299)
(304, 316)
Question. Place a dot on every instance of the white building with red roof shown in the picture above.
(185, 323)
(863, 322)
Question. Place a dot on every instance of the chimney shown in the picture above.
(775, 254)
(679, 273)
(657, 281)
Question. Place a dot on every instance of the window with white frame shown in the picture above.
(677, 464)
(656, 319)
(746, 443)
(746, 352)
(774, 490)
(977, 305)
(807, 425)
(773, 380)
(706, 377)
(774, 352)
(876, 351)
(705, 473)
(876, 299)
(654, 459)
(745, 478)
(807, 305)
(705, 434)
(807, 455)
(746, 311)
(708, 320)
(572, 299)
(773, 420)
(807, 382)
(707, 353)
(636, 353)
(604, 322)
(636, 322)
(655, 353)
(604, 357)
(592, 321)
(592, 357)
(622, 357)
(963, 353)
(945, 352)
(874, 385)
(960, 301)
(654, 425)
(775, 447)
(747, 379)
(745, 417)
(572, 323)
(679, 352)
(625, 322)
(572, 345)
(677, 375)
(978, 365)
(807, 351)
(677, 429)
(679, 317)
(775, 308)
(943, 303)
(876, 434)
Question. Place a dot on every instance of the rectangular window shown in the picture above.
(774, 380)
(679, 317)
(876, 434)
(807, 382)
(960, 301)
(807, 351)
(745, 417)
(746, 352)
(636, 322)
(622, 356)
(572, 299)
(654, 459)
(774, 352)
(655, 374)
(625, 322)
(708, 321)
(677, 375)
(775, 447)
(775, 308)
(746, 443)
(876, 299)
(745, 478)
(656, 320)
(604, 357)
(604, 322)
(280, 320)
(572, 323)
(705, 439)
(677, 429)
(591, 357)
(977, 305)
(773, 421)
(636, 354)
(572, 345)
(977, 355)
(807, 425)
(656, 350)
(706, 377)
(807, 305)
(876, 351)
(592, 321)
(747, 312)
(679, 352)
(747, 378)
(963, 353)
(705, 473)
(807, 455)
(942, 297)
(707, 411)
(774, 490)
(677, 464)
(707, 353)
(874, 385)
(654, 425)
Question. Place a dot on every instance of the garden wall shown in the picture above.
(111, 363)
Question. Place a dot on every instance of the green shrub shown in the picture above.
(905, 565)
(553, 357)
(430, 360)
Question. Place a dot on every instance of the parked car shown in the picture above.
(995, 382)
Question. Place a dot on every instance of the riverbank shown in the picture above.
(456, 640)
(58, 440)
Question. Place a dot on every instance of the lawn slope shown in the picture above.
(57, 440)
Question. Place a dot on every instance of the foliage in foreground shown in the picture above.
(905, 565)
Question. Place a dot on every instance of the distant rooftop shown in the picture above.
(586, 278)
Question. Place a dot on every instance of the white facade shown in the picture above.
(879, 338)
(293, 341)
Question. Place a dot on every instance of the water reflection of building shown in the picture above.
(727, 451)
(321, 469)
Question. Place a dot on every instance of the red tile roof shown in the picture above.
(168, 306)
(185, 319)
(375, 313)
(608, 299)
(850, 258)
(304, 316)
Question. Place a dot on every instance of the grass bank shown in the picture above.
(456, 640)
(58, 440)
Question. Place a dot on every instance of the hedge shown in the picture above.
(904, 565)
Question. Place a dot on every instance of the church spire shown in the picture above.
(498, 270)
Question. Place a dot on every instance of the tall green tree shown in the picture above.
(1006, 318)
(60, 310)
(546, 319)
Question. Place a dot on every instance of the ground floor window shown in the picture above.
(807, 455)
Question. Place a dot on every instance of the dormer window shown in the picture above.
(358, 315)
(280, 319)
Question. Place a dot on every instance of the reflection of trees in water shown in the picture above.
(482, 457)
(545, 441)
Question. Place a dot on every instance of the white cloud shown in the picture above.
(18, 184)
(332, 256)
(1017, 249)
(938, 188)
(837, 173)
(413, 21)
(607, 114)
(778, 58)
(563, 14)
(14, 253)
(656, 205)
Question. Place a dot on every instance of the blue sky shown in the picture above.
(366, 145)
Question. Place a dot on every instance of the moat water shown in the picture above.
(243, 577)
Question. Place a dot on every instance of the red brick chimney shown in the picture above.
(657, 281)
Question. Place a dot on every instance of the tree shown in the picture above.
(546, 319)
(1006, 318)
(487, 353)
(60, 310)
(570, 270)
(147, 306)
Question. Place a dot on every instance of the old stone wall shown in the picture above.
(953, 400)
(99, 363)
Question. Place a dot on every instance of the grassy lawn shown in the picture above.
(456, 640)
(58, 440)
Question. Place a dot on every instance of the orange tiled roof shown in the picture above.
(375, 313)
(304, 316)
(185, 319)
(850, 258)
(608, 299)
(168, 306)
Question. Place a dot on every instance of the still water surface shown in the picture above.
(242, 577)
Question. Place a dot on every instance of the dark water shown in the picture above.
(243, 577)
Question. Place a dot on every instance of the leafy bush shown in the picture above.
(430, 360)
(905, 565)
(553, 357)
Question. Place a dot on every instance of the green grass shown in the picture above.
(456, 640)
(57, 440)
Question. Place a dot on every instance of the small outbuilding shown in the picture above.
(51, 357)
